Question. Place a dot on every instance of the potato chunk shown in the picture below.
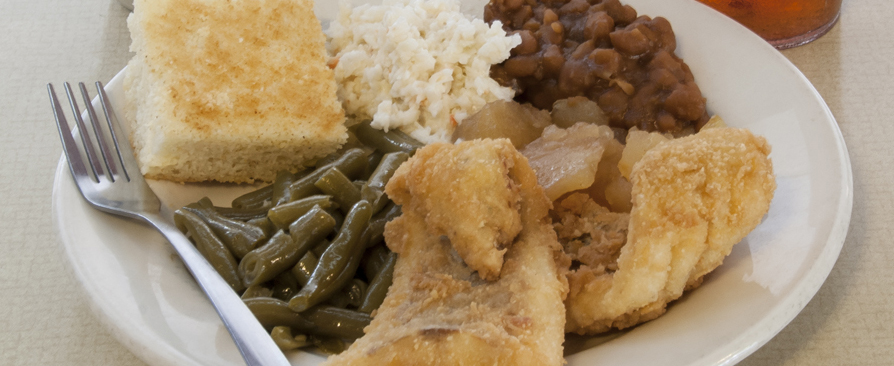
(567, 159)
(610, 188)
(567, 112)
(638, 142)
(520, 123)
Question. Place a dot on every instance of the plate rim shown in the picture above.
(134, 341)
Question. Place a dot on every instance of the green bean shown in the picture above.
(373, 162)
(378, 286)
(264, 224)
(283, 215)
(338, 299)
(281, 252)
(349, 295)
(343, 278)
(375, 231)
(358, 184)
(337, 215)
(352, 163)
(254, 199)
(374, 260)
(256, 291)
(346, 245)
(374, 189)
(355, 290)
(304, 268)
(238, 236)
(281, 192)
(282, 336)
(337, 322)
(386, 168)
(275, 312)
(328, 345)
(262, 264)
(320, 248)
(285, 286)
(320, 320)
(336, 184)
(391, 141)
(328, 159)
(390, 212)
(242, 214)
(304, 232)
(297, 214)
(210, 246)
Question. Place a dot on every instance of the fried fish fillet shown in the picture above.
(439, 311)
(693, 199)
(466, 194)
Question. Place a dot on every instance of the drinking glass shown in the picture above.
(783, 23)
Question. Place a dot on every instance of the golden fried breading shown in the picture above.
(466, 194)
(693, 198)
(439, 312)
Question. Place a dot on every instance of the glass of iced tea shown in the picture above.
(783, 23)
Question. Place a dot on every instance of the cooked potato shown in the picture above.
(567, 159)
(638, 142)
(610, 188)
(567, 112)
(520, 123)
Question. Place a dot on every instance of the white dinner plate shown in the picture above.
(141, 291)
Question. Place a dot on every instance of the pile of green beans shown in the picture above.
(307, 252)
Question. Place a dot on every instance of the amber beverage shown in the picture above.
(783, 23)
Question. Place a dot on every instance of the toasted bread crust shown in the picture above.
(229, 91)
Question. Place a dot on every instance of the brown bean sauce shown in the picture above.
(599, 49)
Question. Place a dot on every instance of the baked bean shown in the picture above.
(521, 66)
(583, 50)
(602, 50)
(553, 60)
(514, 4)
(608, 60)
(575, 6)
(598, 26)
(549, 16)
(683, 101)
(631, 42)
(529, 44)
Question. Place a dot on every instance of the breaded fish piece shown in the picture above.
(693, 199)
(438, 311)
(466, 194)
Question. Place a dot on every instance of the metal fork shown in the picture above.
(111, 181)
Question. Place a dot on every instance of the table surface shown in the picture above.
(46, 320)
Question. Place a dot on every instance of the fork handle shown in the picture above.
(251, 339)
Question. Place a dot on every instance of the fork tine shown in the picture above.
(98, 133)
(125, 154)
(95, 166)
(75, 164)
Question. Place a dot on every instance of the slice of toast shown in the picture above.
(230, 91)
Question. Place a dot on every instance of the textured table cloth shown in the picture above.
(45, 319)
